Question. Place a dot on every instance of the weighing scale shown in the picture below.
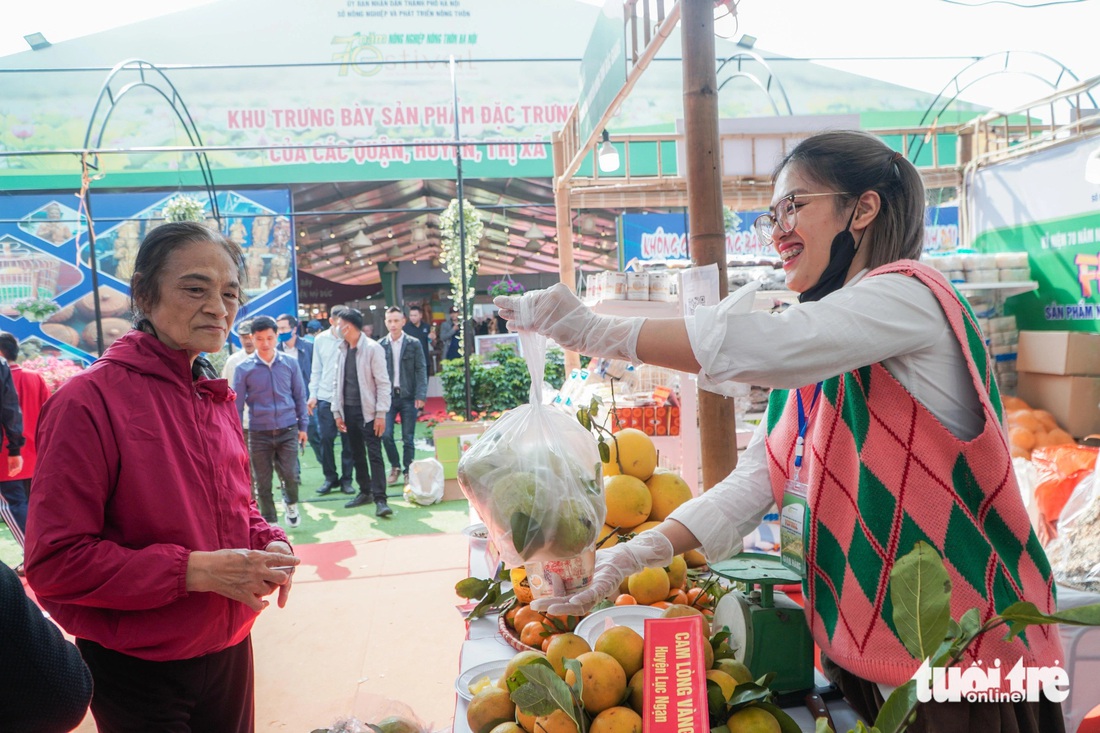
(767, 629)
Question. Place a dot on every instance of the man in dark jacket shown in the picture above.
(408, 372)
(419, 329)
(302, 350)
(45, 686)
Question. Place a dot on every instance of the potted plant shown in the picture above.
(505, 286)
(184, 208)
(35, 309)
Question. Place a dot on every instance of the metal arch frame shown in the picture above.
(150, 77)
(145, 70)
(1004, 69)
(765, 87)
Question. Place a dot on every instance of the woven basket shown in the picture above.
(506, 631)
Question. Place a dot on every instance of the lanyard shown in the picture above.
(803, 423)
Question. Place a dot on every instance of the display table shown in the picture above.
(484, 644)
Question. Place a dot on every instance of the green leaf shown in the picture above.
(821, 725)
(526, 533)
(578, 682)
(920, 590)
(605, 603)
(472, 588)
(898, 709)
(786, 722)
(605, 452)
(716, 701)
(543, 693)
(594, 406)
(518, 679)
(584, 419)
(748, 692)
(1022, 614)
(969, 624)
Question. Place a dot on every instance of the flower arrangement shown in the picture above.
(55, 371)
(36, 309)
(184, 208)
(505, 286)
(451, 256)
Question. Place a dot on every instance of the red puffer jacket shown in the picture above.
(138, 465)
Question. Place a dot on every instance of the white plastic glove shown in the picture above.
(559, 314)
(650, 549)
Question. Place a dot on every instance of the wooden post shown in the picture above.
(706, 227)
(566, 268)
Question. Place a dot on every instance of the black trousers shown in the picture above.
(208, 694)
(366, 447)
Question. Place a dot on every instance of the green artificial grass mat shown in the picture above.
(324, 518)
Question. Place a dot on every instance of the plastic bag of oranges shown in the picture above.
(534, 477)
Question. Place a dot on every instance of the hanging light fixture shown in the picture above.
(361, 239)
(389, 267)
(518, 261)
(608, 156)
(394, 253)
(534, 232)
(419, 234)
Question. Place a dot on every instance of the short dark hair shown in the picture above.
(336, 311)
(154, 252)
(245, 327)
(395, 309)
(857, 162)
(415, 307)
(289, 319)
(9, 346)
(263, 323)
(352, 316)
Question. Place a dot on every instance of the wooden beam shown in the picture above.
(707, 237)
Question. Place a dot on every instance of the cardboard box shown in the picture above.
(1059, 352)
(1072, 400)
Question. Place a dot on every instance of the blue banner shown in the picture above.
(44, 255)
(655, 237)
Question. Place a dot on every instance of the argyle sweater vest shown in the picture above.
(884, 473)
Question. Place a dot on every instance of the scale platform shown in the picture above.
(767, 628)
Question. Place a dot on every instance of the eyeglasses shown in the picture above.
(783, 214)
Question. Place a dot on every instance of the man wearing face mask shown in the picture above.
(302, 350)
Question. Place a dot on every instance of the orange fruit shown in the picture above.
(526, 615)
(724, 681)
(611, 534)
(637, 690)
(625, 599)
(616, 720)
(649, 585)
(525, 720)
(695, 558)
(603, 681)
(555, 722)
(547, 639)
(510, 616)
(625, 645)
(679, 598)
(628, 501)
(532, 634)
(696, 597)
(753, 719)
(676, 610)
(565, 646)
(489, 708)
(668, 491)
(677, 572)
(660, 604)
(520, 659)
(558, 623)
(635, 451)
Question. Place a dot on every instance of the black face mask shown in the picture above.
(841, 254)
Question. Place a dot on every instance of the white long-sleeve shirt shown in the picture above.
(894, 319)
(322, 378)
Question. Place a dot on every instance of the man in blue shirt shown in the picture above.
(271, 384)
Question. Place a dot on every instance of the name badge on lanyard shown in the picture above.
(794, 520)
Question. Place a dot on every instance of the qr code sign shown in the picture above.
(694, 302)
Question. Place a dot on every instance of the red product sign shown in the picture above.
(675, 693)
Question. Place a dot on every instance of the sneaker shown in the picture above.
(293, 519)
(394, 475)
(382, 509)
